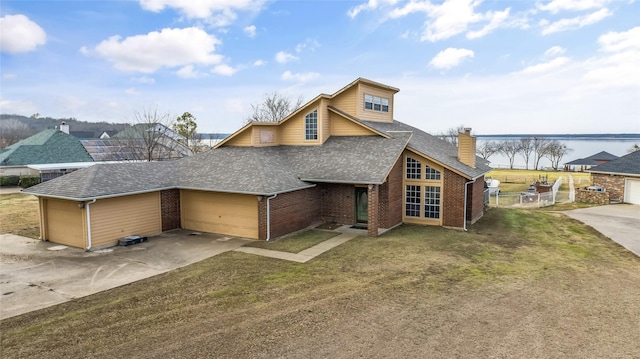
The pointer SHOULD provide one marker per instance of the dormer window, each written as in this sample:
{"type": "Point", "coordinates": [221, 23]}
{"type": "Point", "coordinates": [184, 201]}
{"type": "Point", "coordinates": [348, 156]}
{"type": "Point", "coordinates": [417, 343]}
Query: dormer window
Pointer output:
{"type": "Point", "coordinates": [375, 103]}
{"type": "Point", "coordinates": [311, 126]}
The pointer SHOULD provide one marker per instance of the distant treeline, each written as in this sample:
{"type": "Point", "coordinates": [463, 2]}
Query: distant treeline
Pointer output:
{"type": "Point", "coordinates": [587, 136]}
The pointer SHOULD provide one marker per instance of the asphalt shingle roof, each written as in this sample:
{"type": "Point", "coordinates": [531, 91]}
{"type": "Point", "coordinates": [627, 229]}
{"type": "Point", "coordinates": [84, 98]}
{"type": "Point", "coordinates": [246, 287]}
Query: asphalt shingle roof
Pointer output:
{"type": "Point", "coordinates": [627, 164]}
{"type": "Point", "coordinates": [48, 146]}
{"type": "Point", "coordinates": [593, 159]}
{"type": "Point", "coordinates": [433, 147]}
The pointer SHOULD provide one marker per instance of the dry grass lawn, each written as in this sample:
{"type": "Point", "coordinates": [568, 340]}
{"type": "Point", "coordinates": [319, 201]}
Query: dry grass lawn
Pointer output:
{"type": "Point", "coordinates": [519, 284]}
{"type": "Point", "coordinates": [19, 215]}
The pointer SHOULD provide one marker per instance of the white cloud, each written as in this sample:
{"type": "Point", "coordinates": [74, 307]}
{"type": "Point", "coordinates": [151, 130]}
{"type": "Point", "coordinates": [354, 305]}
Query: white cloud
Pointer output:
{"type": "Point", "coordinates": [546, 66]}
{"type": "Point", "coordinates": [189, 72]}
{"type": "Point", "coordinates": [250, 30]}
{"type": "Point", "coordinates": [308, 44]}
{"type": "Point", "coordinates": [284, 57]}
{"type": "Point", "coordinates": [556, 6]}
{"type": "Point", "coordinates": [17, 106]}
{"type": "Point", "coordinates": [450, 58]}
{"type": "Point", "coordinates": [453, 17]}
{"type": "Point", "coordinates": [299, 77]}
{"type": "Point", "coordinates": [224, 70]}
{"type": "Point", "coordinates": [19, 34]}
{"type": "Point", "coordinates": [554, 51]}
{"type": "Point", "coordinates": [259, 63]}
{"type": "Point", "coordinates": [145, 80]}
{"type": "Point", "coordinates": [216, 12]}
{"type": "Point", "coordinates": [575, 22]}
{"type": "Point", "coordinates": [131, 91]}
{"type": "Point", "coordinates": [618, 41]}
{"type": "Point", "coordinates": [155, 50]}
{"type": "Point", "coordinates": [368, 6]}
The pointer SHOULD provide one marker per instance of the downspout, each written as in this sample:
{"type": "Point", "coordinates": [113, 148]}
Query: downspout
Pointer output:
{"type": "Point", "coordinates": [86, 206]}
{"type": "Point", "coordinates": [466, 185]}
{"type": "Point", "coordinates": [269, 217]}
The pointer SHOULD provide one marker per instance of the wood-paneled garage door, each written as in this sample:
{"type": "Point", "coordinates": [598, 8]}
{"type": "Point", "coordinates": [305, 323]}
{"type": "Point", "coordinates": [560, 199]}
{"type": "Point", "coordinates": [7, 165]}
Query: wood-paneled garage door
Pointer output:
{"type": "Point", "coordinates": [65, 223]}
{"type": "Point", "coordinates": [225, 213]}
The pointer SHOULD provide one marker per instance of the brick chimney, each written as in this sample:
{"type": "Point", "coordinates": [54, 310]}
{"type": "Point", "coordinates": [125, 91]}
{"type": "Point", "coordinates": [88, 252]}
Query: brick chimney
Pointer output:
{"type": "Point", "coordinates": [467, 148]}
{"type": "Point", "coordinates": [64, 127]}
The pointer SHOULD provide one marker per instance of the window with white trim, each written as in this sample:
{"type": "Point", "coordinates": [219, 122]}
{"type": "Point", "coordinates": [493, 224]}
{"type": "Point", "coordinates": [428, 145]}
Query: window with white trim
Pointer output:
{"type": "Point", "coordinates": [376, 103]}
{"type": "Point", "coordinates": [432, 202]}
{"type": "Point", "coordinates": [412, 201]}
{"type": "Point", "coordinates": [311, 126]}
{"type": "Point", "coordinates": [414, 168]}
{"type": "Point", "coordinates": [431, 173]}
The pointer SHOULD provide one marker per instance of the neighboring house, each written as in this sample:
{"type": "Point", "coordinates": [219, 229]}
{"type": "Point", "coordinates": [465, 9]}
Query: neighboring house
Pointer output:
{"type": "Point", "coordinates": [583, 164]}
{"type": "Point", "coordinates": [152, 141]}
{"type": "Point", "coordinates": [208, 139]}
{"type": "Point", "coordinates": [59, 150]}
{"type": "Point", "coordinates": [619, 177]}
{"type": "Point", "coordinates": [340, 158]}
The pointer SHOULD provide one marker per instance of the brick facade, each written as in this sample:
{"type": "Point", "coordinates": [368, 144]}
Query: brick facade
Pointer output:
{"type": "Point", "coordinates": [582, 195]}
{"type": "Point", "coordinates": [453, 199]}
{"type": "Point", "coordinates": [612, 184]}
{"type": "Point", "coordinates": [338, 203]}
{"type": "Point", "coordinates": [290, 212]}
{"type": "Point", "coordinates": [373, 209]}
{"type": "Point", "coordinates": [170, 209]}
{"type": "Point", "coordinates": [475, 200]}
{"type": "Point", "coordinates": [390, 198]}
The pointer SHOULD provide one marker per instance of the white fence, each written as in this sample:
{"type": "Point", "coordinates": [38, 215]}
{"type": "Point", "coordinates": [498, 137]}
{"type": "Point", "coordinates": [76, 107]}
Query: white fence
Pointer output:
{"type": "Point", "coordinates": [531, 200]}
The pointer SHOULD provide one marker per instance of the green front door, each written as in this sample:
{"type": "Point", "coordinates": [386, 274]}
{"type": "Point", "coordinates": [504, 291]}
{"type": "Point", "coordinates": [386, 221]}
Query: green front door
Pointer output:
{"type": "Point", "coordinates": [362, 207]}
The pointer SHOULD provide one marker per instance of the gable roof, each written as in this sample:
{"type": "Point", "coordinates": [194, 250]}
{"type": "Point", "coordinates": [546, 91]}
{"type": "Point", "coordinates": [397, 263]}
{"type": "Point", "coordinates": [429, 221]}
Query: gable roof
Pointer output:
{"type": "Point", "coordinates": [434, 148]}
{"type": "Point", "coordinates": [593, 159]}
{"type": "Point", "coordinates": [48, 146]}
{"type": "Point", "coordinates": [628, 164]}
{"type": "Point", "coordinates": [250, 170]}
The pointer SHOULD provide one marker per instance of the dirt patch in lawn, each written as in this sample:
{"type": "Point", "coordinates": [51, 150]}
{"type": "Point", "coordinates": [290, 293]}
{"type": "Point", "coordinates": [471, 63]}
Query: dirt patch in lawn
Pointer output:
{"type": "Point", "coordinates": [518, 284]}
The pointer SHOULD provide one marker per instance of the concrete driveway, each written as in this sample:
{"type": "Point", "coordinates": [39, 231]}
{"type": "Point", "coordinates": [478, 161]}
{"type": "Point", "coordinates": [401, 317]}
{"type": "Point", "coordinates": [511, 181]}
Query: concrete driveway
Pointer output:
{"type": "Point", "coordinates": [36, 274]}
{"type": "Point", "coordinates": [620, 222]}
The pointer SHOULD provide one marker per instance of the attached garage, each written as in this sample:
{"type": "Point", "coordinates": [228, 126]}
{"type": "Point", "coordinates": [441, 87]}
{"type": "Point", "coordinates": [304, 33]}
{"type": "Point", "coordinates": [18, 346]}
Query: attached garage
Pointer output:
{"type": "Point", "coordinates": [225, 213]}
{"type": "Point", "coordinates": [114, 218]}
{"type": "Point", "coordinates": [63, 222]}
{"type": "Point", "coordinates": [632, 191]}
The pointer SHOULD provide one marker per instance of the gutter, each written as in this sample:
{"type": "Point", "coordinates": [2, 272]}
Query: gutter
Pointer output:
{"type": "Point", "coordinates": [466, 186]}
{"type": "Point", "coordinates": [86, 206]}
{"type": "Point", "coordinates": [269, 216]}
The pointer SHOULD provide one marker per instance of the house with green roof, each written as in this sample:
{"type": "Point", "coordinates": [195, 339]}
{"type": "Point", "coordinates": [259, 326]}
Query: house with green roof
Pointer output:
{"type": "Point", "coordinates": [340, 158]}
{"type": "Point", "coordinates": [47, 147]}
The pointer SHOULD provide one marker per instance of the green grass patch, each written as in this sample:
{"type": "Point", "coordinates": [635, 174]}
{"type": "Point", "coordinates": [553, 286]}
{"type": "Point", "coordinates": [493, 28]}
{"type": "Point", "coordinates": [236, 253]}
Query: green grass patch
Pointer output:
{"type": "Point", "coordinates": [295, 243]}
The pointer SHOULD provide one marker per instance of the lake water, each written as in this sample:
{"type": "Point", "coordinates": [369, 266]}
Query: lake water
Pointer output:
{"type": "Point", "coordinates": [581, 148]}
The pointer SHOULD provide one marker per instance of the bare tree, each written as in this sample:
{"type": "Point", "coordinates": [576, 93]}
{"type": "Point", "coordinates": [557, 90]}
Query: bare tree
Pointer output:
{"type": "Point", "coordinates": [150, 138]}
{"type": "Point", "coordinates": [540, 145]}
{"type": "Point", "coordinates": [273, 108]}
{"type": "Point", "coordinates": [555, 150]}
{"type": "Point", "coordinates": [526, 148]}
{"type": "Point", "coordinates": [451, 135]}
{"type": "Point", "coordinates": [510, 149]}
{"type": "Point", "coordinates": [12, 131]}
{"type": "Point", "coordinates": [488, 148]}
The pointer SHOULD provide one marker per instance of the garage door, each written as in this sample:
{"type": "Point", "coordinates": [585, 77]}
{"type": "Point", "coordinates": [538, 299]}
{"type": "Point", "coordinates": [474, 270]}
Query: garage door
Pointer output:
{"type": "Point", "coordinates": [632, 191]}
{"type": "Point", "coordinates": [114, 218]}
{"type": "Point", "coordinates": [65, 223]}
{"type": "Point", "coordinates": [224, 213]}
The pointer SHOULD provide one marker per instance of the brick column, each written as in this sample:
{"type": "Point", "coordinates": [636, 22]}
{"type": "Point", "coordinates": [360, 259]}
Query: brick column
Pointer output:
{"type": "Point", "coordinates": [373, 210]}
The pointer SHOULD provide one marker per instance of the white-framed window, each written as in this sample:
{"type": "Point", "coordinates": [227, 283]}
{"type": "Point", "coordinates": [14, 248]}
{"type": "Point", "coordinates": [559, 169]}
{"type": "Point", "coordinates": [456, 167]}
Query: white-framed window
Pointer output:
{"type": "Point", "coordinates": [412, 201]}
{"type": "Point", "coordinates": [431, 173]}
{"type": "Point", "coordinates": [432, 202]}
{"type": "Point", "coordinates": [414, 169]}
{"type": "Point", "coordinates": [376, 103]}
{"type": "Point", "coordinates": [311, 126]}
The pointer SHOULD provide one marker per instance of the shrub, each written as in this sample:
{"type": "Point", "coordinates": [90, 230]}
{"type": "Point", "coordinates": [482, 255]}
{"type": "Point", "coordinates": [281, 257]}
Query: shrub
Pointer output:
{"type": "Point", "coordinates": [9, 181]}
{"type": "Point", "coordinates": [28, 181]}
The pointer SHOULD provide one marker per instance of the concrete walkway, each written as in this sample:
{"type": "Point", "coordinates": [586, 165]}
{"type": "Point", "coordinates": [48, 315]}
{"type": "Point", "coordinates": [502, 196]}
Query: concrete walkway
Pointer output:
{"type": "Point", "coordinates": [307, 254]}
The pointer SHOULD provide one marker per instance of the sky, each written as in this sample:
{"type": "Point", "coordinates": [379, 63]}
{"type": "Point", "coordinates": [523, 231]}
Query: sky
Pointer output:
{"type": "Point", "coordinates": [499, 67]}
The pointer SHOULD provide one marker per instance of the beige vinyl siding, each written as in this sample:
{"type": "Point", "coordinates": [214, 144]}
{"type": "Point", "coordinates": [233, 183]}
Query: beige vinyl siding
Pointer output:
{"type": "Point", "coordinates": [340, 126]}
{"type": "Point", "coordinates": [324, 125]}
{"type": "Point", "coordinates": [371, 115]}
{"type": "Point", "coordinates": [292, 131]}
{"type": "Point", "coordinates": [263, 134]}
{"type": "Point", "coordinates": [347, 101]}
{"type": "Point", "coordinates": [225, 213]}
{"type": "Point", "coordinates": [241, 139]}
{"type": "Point", "coordinates": [114, 218]}
{"type": "Point", "coordinates": [65, 223]}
